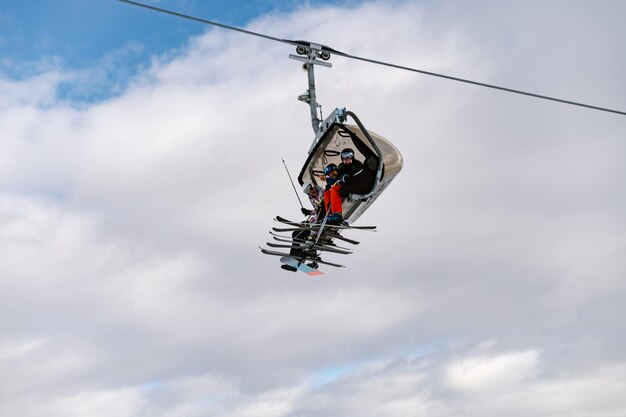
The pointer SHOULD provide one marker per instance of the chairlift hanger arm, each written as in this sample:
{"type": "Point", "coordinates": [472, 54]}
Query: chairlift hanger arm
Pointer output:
{"type": "Point", "coordinates": [327, 50]}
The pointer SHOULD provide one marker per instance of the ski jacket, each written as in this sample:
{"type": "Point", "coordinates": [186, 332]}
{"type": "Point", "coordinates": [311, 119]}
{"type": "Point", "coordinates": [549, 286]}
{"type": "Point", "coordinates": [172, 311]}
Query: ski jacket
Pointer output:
{"type": "Point", "coordinates": [316, 202]}
{"type": "Point", "coordinates": [349, 173]}
{"type": "Point", "coordinates": [330, 182]}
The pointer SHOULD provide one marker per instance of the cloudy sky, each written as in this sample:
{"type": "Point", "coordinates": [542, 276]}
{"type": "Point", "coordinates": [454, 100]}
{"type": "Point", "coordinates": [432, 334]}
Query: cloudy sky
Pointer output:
{"type": "Point", "coordinates": [140, 168]}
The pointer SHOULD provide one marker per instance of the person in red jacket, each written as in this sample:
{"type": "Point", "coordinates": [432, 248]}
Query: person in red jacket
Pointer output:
{"type": "Point", "coordinates": [348, 172]}
{"type": "Point", "coordinates": [330, 176]}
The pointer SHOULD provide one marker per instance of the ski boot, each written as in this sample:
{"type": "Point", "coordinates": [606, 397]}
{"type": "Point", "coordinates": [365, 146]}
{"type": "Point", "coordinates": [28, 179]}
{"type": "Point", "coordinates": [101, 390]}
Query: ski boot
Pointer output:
{"type": "Point", "coordinates": [334, 219]}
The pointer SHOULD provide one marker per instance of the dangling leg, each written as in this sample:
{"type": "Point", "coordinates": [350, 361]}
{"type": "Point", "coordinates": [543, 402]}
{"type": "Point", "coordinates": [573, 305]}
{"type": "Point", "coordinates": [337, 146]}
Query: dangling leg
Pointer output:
{"type": "Point", "coordinates": [336, 211]}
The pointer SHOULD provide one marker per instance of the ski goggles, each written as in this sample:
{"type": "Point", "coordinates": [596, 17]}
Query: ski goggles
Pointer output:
{"type": "Point", "coordinates": [347, 155]}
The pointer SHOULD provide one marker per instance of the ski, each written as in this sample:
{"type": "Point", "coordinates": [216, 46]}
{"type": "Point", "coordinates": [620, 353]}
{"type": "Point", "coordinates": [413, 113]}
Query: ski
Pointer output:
{"type": "Point", "coordinates": [307, 225]}
{"type": "Point", "coordinates": [331, 235]}
{"type": "Point", "coordinates": [298, 229]}
{"type": "Point", "coordinates": [313, 226]}
{"type": "Point", "coordinates": [285, 239]}
{"type": "Point", "coordinates": [309, 247]}
{"type": "Point", "coordinates": [345, 239]}
{"type": "Point", "coordinates": [289, 229]}
{"type": "Point", "coordinates": [325, 242]}
{"type": "Point", "coordinates": [275, 253]}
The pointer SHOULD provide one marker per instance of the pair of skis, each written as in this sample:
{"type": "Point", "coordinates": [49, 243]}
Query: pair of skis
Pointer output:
{"type": "Point", "coordinates": [323, 243]}
{"type": "Point", "coordinates": [332, 231]}
{"type": "Point", "coordinates": [317, 226]}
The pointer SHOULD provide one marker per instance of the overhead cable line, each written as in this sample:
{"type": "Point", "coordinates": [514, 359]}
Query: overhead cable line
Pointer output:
{"type": "Point", "coordinates": [496, 87]}
{"type": "Point", "coordinates": [373, 61]}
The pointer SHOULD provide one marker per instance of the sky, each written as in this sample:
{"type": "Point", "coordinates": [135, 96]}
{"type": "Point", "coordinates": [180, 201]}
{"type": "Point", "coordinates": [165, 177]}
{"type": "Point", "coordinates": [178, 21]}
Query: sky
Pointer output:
{"type": "Point", "coordinates": [141, 166]}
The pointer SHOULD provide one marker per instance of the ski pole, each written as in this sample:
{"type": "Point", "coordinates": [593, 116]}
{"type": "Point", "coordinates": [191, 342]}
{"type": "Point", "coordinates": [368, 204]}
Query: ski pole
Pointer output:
{"type": "Point", "coordinates": [292, 184]}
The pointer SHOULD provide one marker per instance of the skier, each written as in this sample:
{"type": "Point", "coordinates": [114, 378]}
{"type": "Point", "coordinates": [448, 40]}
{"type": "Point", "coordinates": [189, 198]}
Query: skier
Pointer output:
{"type": "Point", "coordinates": [349, 172]}
{"type": "Point", "coordinates": [314, 192]}
{"type": "Point", "coordinates": [357, 177]}
{"type": "Point", "coordinates": [332, 205]}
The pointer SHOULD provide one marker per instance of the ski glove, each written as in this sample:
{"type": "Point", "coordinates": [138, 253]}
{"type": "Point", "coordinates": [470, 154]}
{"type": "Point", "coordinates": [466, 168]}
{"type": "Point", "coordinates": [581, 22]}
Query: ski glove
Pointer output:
{"type": "Point", "coordinates": [306, 212]}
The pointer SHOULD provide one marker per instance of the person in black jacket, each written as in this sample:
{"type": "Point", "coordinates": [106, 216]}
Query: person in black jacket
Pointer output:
{"type": "Point", "coordinates": [357, 177]}
{"type": "Point", "coordinates": [350, 169]}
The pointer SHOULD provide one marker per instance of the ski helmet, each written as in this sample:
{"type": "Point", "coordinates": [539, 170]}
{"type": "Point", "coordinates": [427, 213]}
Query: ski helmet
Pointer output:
{"type": "Point", "coordinates": [308, 187]}
{"type": "Point", "coordinates": [347, 153]}
{"type": "Point", "coordinates": [329, 168]}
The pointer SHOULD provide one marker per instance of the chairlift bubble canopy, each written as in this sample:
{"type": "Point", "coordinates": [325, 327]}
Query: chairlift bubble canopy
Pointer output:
{"type": "Point", "coordinates": [382, 160]}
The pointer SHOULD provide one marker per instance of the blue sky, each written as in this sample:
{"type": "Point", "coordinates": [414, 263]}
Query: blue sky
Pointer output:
{"type": "Point", "coordinates": [141, 167]}
{"type": "Point", "coordinates": [81, 34]}
{"type": "Point", "coordinates": [83, 31]}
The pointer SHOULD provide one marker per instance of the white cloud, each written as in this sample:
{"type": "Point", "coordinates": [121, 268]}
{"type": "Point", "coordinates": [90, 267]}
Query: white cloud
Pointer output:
{"type": "Point", "coordinates": [491, 373]}
{"type": "Point", "coordinates": [15, 349]}
{"type": "Point", "coordinates": [38, 90]}
{"type": "Point", "coordinates": [131, 283]}
{"type": "Point", "coordinates": [123, 402]}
